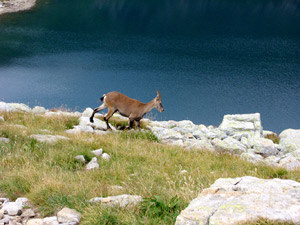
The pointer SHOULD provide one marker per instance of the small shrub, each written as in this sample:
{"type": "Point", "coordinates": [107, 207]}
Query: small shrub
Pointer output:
{"type": "Point", "coordinates": [280, 173]}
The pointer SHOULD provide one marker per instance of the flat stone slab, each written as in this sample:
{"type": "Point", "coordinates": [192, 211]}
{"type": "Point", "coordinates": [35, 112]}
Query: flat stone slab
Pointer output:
{"type": "Point", "coordinates": [237, 200]}
{"type": "Point", "coordinates": [122, 201]}
{"type": "Point", "coordinates": [48, 138]}
{"type": "Point", "coordinates": [4, 140]}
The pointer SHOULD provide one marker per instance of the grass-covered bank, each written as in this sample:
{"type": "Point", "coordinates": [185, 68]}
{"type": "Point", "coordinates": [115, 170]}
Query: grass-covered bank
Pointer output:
{"type": "Point", "coordinates": [51, 178]}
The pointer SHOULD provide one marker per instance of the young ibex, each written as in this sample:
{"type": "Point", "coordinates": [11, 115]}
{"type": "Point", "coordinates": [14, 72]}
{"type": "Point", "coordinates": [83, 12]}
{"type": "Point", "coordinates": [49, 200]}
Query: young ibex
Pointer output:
{"type": "Point", "coordinates": [128, 107]}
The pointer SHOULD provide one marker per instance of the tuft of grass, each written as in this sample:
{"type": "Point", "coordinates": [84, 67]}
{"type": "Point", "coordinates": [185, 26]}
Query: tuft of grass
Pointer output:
{"type": "Point", "coordinates": [166, 210]}
{"type": "Point", "coordinates": [144, 135]}
{"type": "Point", "coordinates": [273, 137]}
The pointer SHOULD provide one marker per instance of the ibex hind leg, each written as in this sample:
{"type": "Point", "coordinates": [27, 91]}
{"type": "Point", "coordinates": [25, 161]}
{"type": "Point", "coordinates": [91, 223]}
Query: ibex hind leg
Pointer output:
{"type": "Point", "coordinates": [107, 116]}
{"type": "Point", "coordinates": [98, 109]}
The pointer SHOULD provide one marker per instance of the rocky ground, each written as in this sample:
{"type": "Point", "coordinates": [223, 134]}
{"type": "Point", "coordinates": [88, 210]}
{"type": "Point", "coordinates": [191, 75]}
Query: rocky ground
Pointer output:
{"type": "Point", "coordinates": [8, 6]}
{"type": "Point", "coordinates": [20, 212]}
{"type": "Point", "coordinates": [227, 201]}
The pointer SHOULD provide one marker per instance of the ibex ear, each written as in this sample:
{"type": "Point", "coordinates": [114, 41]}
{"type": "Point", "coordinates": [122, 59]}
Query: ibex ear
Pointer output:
{"type": "Point", "coordinates": [158, 97]}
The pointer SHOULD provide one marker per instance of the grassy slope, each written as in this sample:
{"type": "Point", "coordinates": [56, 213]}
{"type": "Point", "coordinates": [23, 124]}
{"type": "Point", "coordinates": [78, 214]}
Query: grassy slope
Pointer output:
{"type": "Point", "coordinates": [50, 177]}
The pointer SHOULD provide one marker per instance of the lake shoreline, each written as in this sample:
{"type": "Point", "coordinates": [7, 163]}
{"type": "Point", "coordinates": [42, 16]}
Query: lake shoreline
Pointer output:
{"type": "Point", "coordinates": [16, 6]}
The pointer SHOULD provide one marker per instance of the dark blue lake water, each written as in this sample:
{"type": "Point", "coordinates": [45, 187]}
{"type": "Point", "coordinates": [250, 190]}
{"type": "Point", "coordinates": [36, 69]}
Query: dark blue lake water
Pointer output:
{"type": "Point", "coordinates": [207, 57]}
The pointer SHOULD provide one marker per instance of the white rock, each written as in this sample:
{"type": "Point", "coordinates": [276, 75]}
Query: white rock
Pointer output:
{"type": "Point", "coordinates": [168, 134]}
{"type": "Point", "coordinates": [237, 200]}
{"type": "Point", "coordinates": [203, 145]}
{"type": "Point", "coordinates": [2, 118]}
{"type": "Point", "coordinates": [6, 108]}
{"type": "Point", "coordinates": [105, 156]}
{"type": "Point", "coordinates": [230, 145]}
{"type": "Point", "coordinates": [245, 142]}
{"type": "Point", "coordinates": [67, 215]}
{"type": "Point", "coordinates": [98, 152]}
{"type": "Point", "coordinates": [199, 134]}
{"type": "Point", "coordinates": [20, 107]}
{"type": "Point", "coordinates": [272, 160]}
{"type": "Point", "coordinates": [254, 158]}
{"type": "Point", "coordinates": [50, 220]}
{"type": "Point", "coordinates": [87, 112]}
{"type": "Point", "coordinates": [28, 213]}
{"type": "Point", "coordinates": [4, 140]}
{"type": "Point", "coordinates": [291, 161]}
{"type": "Point", "coordinates": [264, 147]}
{"type": "Point", "coordinates": [12, 208]}
{"type": "Point", "coordinates": [242, 123]}
{"type": "Point", "coordinates": [39, 110]}
{"type": "Point", "coordinates": [84, 122]}
{"type": "Point", "coordinates": [73, 131]}
{"type": "Point", "coordinates": [183, 172]}
{"type": "Point", "coordinates": [290, 140]}
{"type": "Point", "coordinates": [93, 164]}
{"type": "Point", "coordinates": [178, 142]}
{"type": "Point", "coordinates": [122, 201]}
{"type": "Point", "coordinates": [51, 139]}
{"type": "Point", "coordinates": [4, 200]}
{"type": "Point", "coordinates": [35, 222]}
{"type": "Point", "coordinates": [80, 158]}
{"type": "Point", "coordinates": [22, 201]}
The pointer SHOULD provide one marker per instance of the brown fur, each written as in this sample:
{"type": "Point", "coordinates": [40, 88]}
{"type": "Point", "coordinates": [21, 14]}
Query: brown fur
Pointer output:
{"type": "Point", "coordinates": [128, 107]}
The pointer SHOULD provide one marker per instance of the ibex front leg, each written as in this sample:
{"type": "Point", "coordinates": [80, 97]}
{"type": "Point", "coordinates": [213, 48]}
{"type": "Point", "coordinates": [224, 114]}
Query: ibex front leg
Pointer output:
{"type": "Point", "coordinates": [101, 107]}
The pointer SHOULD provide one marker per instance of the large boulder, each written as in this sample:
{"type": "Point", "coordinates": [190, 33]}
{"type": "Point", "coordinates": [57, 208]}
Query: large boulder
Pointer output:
{"type": "Point", "coordinates": [290, 140]}
{"type": "Point", "coordinates": [264, 147]}
{"type": "Point", "coordinates": [242, 124]}
{"type": "Point", "coordinates": [38, 110]}
{"type": "Point", "coordinates": [229, 145]}
{"type": "Point", "coordinates": [237, 200]}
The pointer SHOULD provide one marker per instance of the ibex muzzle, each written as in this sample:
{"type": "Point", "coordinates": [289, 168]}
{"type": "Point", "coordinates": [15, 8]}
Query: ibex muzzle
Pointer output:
{"type": "Point", "coordinates": [128, 107]}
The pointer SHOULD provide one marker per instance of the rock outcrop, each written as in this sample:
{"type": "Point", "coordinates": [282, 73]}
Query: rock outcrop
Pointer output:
{"type": "Point", "coordinates": [237, 200]}
{"type": "Point", "coordinates": [238, 134]}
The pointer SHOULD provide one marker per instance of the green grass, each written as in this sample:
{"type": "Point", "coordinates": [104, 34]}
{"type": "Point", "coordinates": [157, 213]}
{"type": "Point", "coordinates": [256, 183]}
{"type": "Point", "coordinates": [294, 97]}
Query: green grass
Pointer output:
{"type": "Point", "coordinates": [50, 177]}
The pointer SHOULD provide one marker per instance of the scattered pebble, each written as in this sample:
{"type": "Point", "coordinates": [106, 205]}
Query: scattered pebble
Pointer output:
{"type": "Point", "coordinates": [98, 152]}
{"type": "Point", "coordinates": [105, 156]}
{"type": "Point", "coordinates": [80, 158]}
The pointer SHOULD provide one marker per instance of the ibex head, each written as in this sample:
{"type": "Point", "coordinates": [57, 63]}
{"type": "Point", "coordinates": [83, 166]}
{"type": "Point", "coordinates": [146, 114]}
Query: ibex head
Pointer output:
{"type": "Point", "coordinates": [157, 102]}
